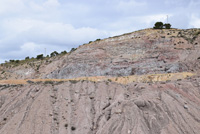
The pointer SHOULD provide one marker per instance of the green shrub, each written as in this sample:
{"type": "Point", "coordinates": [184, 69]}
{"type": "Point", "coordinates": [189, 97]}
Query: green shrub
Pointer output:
{"type": "Point", "coordinates": [64, 52]}
{"type": "Point", "coordinates": [74, 81]}
{"type": "Point", "coordinates": [12, 60]}
{"type": "Point", "coordinates": [40, 56]}
{"type": "Point", "coordinates": [2, 72]}
{"type": "Point", "coordinates": [73, 128]}
{"type": "Point", "coordinates": [73, 49]}
{"type": "Point", "coordinates": [27, 58]}
{"type": "Point", "coordinates": [98, 39]}
{"type": "Point", "coordinates": [17, 61]}
{"type": "Point", "coordinates": [54, 54]}
{"type": "Point", "coordinates": [49, 82]}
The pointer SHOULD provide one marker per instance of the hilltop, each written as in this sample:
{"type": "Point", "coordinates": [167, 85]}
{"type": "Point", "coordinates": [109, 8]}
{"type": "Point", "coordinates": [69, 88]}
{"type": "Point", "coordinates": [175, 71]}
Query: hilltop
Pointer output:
{"type": "Point", "coordinates": [143, 82]}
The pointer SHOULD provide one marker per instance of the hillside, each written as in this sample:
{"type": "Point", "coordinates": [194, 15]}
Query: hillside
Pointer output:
{"type": "Point", "coordinates": [147, 51]}
{"type": "Point", "coordinates": [144, 82]}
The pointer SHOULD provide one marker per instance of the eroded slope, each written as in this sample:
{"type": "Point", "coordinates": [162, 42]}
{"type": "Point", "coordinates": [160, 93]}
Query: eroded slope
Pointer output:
{"type": "Point", "coordinates": [86, 107]}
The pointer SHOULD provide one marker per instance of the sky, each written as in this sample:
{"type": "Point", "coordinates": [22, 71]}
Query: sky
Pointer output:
{"type": "Point", "coordinates": [29, 27]}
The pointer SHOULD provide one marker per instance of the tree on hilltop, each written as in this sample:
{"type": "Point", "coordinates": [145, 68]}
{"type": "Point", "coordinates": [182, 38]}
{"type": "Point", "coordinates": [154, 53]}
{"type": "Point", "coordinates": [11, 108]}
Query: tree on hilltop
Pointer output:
{"type": "Point", "coordinates": [167, 26]}
{"type": "Point", "coordinates": [158, 25]}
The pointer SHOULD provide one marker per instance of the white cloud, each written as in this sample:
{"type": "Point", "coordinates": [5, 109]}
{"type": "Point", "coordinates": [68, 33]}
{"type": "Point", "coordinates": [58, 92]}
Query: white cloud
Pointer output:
{"type": "Point", "coordinates": [129, 6]}
{"type": "Point", "coordinates": [155, 18]}
{"type": "Point", "coordinates": [48, 5]}
{"type": "Point", "coordinates": [173, 2]}
{"type": "Point", "coordinates": [32, 49]}
{"type": "Point", "coordinates": [7, 6]}
{"type": "Point", "coordinates": [36, 7]}
{"type": "Point", "coordinates": [29, 47]}
{"type": "Point", "coordinates": [195, 21]}
{"type": "Point", "coordinates": [30, 37]}
{"type": "Point", "coordinates": [129, 24]}
{"type": "Point", "coordinates": [52, 3]}
{"type": "Point", "coordinates": [18, 25]}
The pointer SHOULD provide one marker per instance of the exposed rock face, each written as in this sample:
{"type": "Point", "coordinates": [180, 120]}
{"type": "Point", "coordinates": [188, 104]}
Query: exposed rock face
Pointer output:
{"type": "Point", "coordinates": [84, 107]}
{"type": "Point", "coordinates": [147, 51]}
{"type": "Point", "coordinates": [145, 82]}
{"type": "Point", "coordinates": [143, 52]}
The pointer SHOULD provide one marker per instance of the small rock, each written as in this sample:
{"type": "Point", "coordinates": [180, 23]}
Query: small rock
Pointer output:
{"type": "Point", "coordinates": [140, 103]}
{"type": "Point", "coordinates": [185, 106]}
{"type": "Point", "coordinates": [118, 111]}
{"type": "Point", "coordinates": [142, 87]}
{"type": "Point", "coordinates": [177, 95]}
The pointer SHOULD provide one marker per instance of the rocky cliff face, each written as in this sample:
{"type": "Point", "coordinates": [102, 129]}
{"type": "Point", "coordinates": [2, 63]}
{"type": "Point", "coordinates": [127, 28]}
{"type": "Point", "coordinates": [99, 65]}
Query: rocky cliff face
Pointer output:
{"type": "Point", "coordinates": [145, 82]}
{"type": "Point", "coordinates": [143, 52]}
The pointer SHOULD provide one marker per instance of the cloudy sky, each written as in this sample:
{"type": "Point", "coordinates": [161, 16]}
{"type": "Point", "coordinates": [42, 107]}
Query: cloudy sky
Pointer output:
{"type": "Point", "coordinates": [27, 27]}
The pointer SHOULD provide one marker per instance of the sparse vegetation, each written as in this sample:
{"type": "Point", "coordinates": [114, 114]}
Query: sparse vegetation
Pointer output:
{"type": "Point", "coordinates": [97, 39]}
{"type": "Point", "coordinates": [29, 61]}
{"type": "Point", "coordinates": [189, 35]}
{"type": "Point", "coordinates": [30, 82]}
{"type": "Point", "coordinates": [197, 33]}
{"type": "Point", "coordinates": [73, 81]}
{"type": "Point", "coordinates": [63, 52]}
{"type": "Point", "coordinates": [73, 128]}
{"type": "Point", "coordinates": [66, 125]}
{"type": "Point", "coordinates": [49, 82]}
{"type": "Point", "coordinates": [5, 119]}
{"type": "Point", "coordinates": [2, 72]}
{"type": "Point", "coordinates": [12, 60]}
{"type": "Point", "coordinates": [54, 54]}
{"type": "Point", "coordinates": [72, 50]}
{"type": "Point", "coordinates": [27, 58]}
{"type": "Point", "coordinates": [38, 67]}
{"type": "Point", "coordinates": [109, 80]}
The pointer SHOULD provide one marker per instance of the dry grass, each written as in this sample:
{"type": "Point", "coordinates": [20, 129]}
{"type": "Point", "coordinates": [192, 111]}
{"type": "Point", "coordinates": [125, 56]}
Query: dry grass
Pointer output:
{"type": "Point", "coordinates": [122, 80]}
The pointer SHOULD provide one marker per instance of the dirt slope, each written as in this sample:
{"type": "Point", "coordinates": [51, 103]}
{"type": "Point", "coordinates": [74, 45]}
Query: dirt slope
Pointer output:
{"type": "Point", "coordinates": [86, 107]}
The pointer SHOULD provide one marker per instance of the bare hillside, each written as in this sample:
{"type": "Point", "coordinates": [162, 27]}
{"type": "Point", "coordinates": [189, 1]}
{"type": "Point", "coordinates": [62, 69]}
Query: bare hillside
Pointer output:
{"type": "Point", "coordinates": [147, 51]}
{"type": "Point", "coordinates": [87, 107]}
{"type": "Point", "coordinates": [144, 82]}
